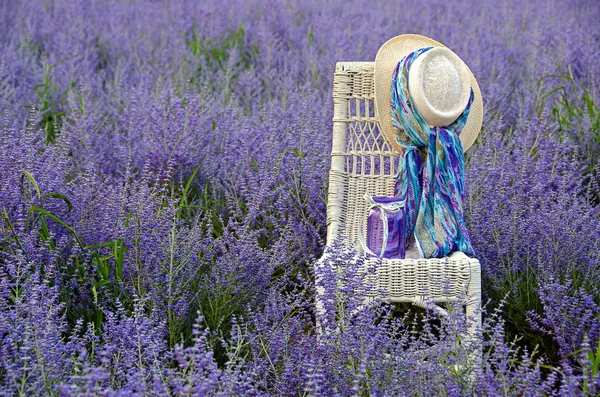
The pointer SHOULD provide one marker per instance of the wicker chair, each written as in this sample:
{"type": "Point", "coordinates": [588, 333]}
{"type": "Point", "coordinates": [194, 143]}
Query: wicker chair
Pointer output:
{"type": "Point", "coordinates": [362, 161]}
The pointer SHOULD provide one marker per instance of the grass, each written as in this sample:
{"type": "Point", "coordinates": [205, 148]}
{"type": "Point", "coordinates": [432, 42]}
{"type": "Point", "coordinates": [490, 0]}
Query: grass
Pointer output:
{"type": "Point", "coordinates": [576, 112]}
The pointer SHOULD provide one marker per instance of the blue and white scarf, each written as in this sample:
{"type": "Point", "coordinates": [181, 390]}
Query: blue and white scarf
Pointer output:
{"type": "Point", "coordinates": [431, 172]}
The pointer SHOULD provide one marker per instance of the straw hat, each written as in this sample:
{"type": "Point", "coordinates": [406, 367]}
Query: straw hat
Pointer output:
{"type": "Point", "coordinates": [439, 83]}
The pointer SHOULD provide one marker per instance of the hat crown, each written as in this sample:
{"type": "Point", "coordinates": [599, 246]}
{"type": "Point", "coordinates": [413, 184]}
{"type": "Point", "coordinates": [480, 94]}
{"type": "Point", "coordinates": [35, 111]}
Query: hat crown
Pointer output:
{"type": "Point", "coordinates": [439, 84]}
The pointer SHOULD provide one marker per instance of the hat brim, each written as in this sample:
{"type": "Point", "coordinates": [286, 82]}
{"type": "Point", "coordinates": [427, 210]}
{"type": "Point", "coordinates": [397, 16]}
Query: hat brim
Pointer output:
{"type": "Point", "coordinates": [388, 56]}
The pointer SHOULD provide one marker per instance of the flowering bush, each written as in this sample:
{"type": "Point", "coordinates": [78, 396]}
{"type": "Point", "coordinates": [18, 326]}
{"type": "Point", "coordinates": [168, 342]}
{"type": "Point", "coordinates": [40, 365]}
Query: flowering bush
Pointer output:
{"type": "Point", "coordinates": [163, 173]}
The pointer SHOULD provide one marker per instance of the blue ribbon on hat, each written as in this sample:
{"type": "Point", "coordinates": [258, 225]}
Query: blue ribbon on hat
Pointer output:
{"type": "Point", "coordinates": [431, 171]}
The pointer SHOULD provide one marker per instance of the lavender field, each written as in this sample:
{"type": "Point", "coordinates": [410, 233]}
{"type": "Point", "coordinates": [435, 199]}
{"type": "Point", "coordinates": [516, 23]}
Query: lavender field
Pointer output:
{"type": "Point", "coordinates": [163, 187]}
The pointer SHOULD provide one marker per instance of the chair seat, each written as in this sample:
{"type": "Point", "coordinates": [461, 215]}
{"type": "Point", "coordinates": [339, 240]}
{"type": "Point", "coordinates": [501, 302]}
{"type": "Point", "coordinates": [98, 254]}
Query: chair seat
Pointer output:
{"type": "Point", "coordinates": [401, 280]}
{"type": "Point", "coordinates": [441, 280]}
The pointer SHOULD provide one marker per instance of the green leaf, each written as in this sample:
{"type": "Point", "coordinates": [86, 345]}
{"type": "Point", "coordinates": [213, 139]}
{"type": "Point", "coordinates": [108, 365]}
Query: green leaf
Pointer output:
{"type": "Point", "coordinates": [33, 182]}
{"type": "Point", "coordinates": [102, 265]}
{"type": "Point", "coordinates": [62, 197]}
{"type": "Point", "coordinates": [299, 153]}
{"type": "Point", "coordinates": [189, 182]}
{"type": "Point", "coordinates": [101, 283]}
{"type": "Point", "coordinates": [595, 361]}
{"type": "Point", "coordinates": [34, 208]}
{"type": "Point", "coordinates": [44, 232]}
{"type": "Point", "coordinates": [119, 254]}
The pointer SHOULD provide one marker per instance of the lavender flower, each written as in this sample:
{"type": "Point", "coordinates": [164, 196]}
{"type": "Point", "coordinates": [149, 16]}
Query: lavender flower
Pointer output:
{"type": "Point", "coordinates": [164, 159]}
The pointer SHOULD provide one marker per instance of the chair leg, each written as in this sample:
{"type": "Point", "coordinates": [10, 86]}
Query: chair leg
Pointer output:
{"type": "Point", "coordinates": [319, 312]}
{"type": "Point", "coordinates": [473, 314]}
{"type": "Point", "coordinates": [319, 307]}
